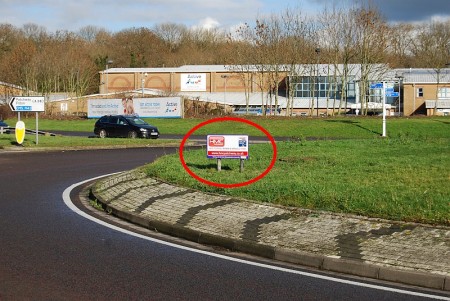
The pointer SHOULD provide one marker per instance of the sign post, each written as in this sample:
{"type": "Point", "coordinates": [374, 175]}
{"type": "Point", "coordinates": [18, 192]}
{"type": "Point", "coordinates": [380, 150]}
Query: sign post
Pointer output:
{"type": "Point", "coordinates": [387, 89]}
{"type": "Point", "coordinates": [27, 104]}
{"type": "Point", "coordinates": [227, 147]}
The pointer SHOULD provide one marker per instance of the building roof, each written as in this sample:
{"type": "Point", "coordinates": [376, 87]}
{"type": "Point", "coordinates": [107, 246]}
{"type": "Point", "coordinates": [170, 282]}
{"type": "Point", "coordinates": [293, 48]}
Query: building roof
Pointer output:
{"type": "Point", "coordinates": [181, 69]}
{"type": "Point", "coordinates": [11, 85]}
{"type": "Point", "coordinates": [424, 76]}
{"type": "Point", "coordinates": [376, 71]}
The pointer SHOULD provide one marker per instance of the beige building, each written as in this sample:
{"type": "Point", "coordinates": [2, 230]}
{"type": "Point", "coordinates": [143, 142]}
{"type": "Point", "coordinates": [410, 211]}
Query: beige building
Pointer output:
{"type": "Point", "coordinates": [421, 91]}
{"type": "Point", "coordinates": [315, 90]}
{"type": "Point", "coordinates": [425, 92]}
{"type": "Point", "coordinates": [202, 78]}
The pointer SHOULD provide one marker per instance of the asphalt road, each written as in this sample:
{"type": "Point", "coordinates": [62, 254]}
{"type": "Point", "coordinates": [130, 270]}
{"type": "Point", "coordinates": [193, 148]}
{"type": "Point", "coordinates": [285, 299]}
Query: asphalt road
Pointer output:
{"type": "Point", "coordinates": [162, 136]}
{"type": "Point", "coordinates": [48, 252]}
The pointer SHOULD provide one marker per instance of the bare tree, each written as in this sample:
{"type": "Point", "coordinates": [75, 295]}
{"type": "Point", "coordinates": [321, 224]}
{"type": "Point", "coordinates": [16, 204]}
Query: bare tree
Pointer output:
{"type": "Point", "coordinates": [275, 56]}
{"type": "Point", "coordinates": [372, 40]}
{"type": "Point", "coordinates": [261, 54]}
{"type": "Point", "coordinates": [299, 32]}
{"type": "Point", "coordinates": [401, 40]}
{"type": "Point", "coordinates": [432, 49]}
{"type": "Point", "coordinates": [241, 58]}
{"type": "Point", "coordinates": [10, 38]}
{"type": "Point", "coordinates": [171, 33]}
{"type": "Point", "coordinates": [339, 28]}
{"type": "Point", "coordinates": [19, 69]}
{"type": "Point", "coordinates": [37, 34]}
{"type": "Point", "coordinates": [136, 47]}
{"type": "Point", "coordinates": [90, 33]}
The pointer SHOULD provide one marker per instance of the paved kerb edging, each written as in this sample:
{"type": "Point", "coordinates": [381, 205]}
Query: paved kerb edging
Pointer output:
{"type": "Point", "coordinates": [319, 261]}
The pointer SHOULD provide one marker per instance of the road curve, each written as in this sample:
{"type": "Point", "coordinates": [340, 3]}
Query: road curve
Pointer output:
{"type": "Point", "coordinates": [48, 252]}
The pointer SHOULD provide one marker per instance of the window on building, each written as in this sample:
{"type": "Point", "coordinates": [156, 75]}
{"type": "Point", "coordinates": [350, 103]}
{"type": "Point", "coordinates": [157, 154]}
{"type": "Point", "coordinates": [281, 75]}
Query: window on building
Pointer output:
{"type": "Point", "coordinates": [419, 92]}
{"type": "Point", "coordinates": [444, 93]}
{"type": "Point", "coordinates": [351, 89]}
{"type": "Point", "coordinates": [307, 86]}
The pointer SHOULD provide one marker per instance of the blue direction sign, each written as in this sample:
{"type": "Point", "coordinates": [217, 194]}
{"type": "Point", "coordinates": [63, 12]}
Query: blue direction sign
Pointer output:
{"type": "Point", "coordinates": [27, 104]}
{"type": "Point", "coordinates": [376, 86]}
{"type": "Point", "coordinates": [392, 94]}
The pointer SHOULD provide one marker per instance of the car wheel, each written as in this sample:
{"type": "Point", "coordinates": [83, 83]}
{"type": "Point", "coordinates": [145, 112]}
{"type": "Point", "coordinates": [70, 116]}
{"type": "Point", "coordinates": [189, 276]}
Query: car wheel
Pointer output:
{"type": "Point", "coordinates": [102, 134]}
{"type": "Point", "coordinates": [132, 135]}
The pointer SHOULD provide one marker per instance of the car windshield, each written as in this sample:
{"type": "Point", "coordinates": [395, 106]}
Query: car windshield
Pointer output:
{"type": "Point", "coordinates": [136, 120]}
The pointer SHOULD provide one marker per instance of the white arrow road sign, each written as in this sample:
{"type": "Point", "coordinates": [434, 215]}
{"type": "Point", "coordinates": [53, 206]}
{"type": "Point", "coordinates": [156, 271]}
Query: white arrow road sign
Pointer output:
{"type": "Point", "coordinates": [27, 104]}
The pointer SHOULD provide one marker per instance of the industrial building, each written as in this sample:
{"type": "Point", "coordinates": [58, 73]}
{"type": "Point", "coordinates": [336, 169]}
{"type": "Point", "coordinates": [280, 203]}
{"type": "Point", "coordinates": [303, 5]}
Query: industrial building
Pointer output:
{"type": "Point", "coordinates": [303, 89]}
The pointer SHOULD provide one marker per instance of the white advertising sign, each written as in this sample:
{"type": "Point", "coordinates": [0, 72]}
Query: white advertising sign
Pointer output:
{"type": "Point", "coordinates": [160, 107]}
{"type": "Point", "coordinates": [227, 146]}
{"type": "Point", "coordinates": [195, 82]}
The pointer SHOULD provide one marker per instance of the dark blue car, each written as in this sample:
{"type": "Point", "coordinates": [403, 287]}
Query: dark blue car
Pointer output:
{"type": "Point", "coordinates": [124, 126]}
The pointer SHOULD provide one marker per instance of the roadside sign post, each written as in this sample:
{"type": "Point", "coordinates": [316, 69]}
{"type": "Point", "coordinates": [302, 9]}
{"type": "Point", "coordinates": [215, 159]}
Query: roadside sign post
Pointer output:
{"type": "Point", "coordinates": [227, 147]}
{"type": "Point", "coordinates": [28, 104]}
{"type": "Point", "coordinates": [387, 90]}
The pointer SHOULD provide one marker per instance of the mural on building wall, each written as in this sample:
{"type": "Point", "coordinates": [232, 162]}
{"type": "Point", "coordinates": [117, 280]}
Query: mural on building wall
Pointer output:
{"type": "Point", "coordinates": [158, 82]}
{"type": "Point", "coordinates": [120, 83]}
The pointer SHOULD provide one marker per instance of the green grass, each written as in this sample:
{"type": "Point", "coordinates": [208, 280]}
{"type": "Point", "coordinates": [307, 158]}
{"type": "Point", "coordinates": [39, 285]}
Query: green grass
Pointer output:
{"type": "Point", "coordinates": [399, 179]}
{"type": "Point", "coordinates": [351, 169]}
{"type": "Point", "coordinates": [339, 127]}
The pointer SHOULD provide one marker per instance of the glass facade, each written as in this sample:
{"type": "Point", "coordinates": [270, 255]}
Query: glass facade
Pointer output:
{"type": "Point", "coordinates": [309, 86]}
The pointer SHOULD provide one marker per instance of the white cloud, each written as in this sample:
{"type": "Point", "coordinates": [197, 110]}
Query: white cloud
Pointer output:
{"type": "Point", "coordinates": [208, 23]}
{"type": "Point", "coordinates": [115, 15]}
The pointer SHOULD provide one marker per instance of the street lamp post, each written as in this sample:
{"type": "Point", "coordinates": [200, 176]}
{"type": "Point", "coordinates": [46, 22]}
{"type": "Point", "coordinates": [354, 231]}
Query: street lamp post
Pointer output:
{"type": "Point", "coordinates": [108, 62]}
{"type": "Point", "coordinates": [225, 90]}
{"type": "Point", "coordinates": [317, 81]}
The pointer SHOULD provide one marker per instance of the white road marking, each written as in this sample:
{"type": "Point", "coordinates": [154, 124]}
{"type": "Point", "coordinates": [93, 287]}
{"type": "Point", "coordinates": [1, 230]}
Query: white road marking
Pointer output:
{"type": "Point", "coordinates": [68, 202]}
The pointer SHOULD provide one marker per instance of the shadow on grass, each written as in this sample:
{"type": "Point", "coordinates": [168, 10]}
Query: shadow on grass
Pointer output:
{"type": "Point", "coordinates": [207, 166]}
{"type": "Point", "coordinates": [442, 121]}
{"type": "Point", "coordinates": [355, 123]}
{"type": "Point", "coordinates": [14, 143]}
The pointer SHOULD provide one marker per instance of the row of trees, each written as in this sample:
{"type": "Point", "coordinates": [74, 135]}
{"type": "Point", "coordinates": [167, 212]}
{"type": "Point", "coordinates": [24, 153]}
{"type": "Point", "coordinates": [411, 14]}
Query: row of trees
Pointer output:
{"type": "Point", "coordinates": [69, 62]}
{"type": "Point", "coordinates": [341, 39]}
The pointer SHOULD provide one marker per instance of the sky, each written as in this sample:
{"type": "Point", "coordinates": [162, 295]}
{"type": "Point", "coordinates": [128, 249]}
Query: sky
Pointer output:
{"type": "Point", "coordinates": [115, 16]}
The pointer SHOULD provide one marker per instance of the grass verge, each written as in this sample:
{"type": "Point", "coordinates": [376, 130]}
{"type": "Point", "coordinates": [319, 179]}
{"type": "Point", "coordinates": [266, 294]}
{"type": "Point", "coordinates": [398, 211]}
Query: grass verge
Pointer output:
{"type": "Point", "coordinates": [339, 127]}
{"type": "Point", "coordinates": [398, 179]}
{"type": "Point", "coordinates": [402, 177]}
